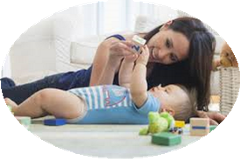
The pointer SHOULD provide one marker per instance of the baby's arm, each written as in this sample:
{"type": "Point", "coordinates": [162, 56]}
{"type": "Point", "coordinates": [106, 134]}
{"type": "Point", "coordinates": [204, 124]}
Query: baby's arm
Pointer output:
{"type": "Point", "coordinates": [126, 70]}
{"type": "Point", "coordinates": [138, 86]}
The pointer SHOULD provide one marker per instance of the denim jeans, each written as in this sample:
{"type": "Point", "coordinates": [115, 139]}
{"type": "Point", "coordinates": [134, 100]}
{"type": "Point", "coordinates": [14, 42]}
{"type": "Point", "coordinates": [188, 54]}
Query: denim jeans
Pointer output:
{"type": "Point", "coordinates": [22, 92]}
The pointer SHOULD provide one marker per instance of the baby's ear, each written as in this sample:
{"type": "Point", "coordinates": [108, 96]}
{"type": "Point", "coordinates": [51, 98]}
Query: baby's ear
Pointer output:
{"type": "Point", "coordinates": [169, 110]}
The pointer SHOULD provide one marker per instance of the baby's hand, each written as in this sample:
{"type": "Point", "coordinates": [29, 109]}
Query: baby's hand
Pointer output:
{"type": "Point", "coordinates": [131, 58]}
{"type": "Point", "coordinates": [144, 56]}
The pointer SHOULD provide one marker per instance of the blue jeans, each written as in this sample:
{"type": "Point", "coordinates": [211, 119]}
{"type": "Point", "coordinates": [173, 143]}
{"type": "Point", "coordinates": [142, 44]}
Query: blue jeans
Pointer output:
{"type": "Point", "coordinates": [63, 81]}
{"type": "Point", "coordinates": [19, 93]}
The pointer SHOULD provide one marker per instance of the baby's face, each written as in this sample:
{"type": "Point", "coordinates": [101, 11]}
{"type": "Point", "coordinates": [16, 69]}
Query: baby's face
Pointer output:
{"type": "Point", "coordinates": [170, 95]}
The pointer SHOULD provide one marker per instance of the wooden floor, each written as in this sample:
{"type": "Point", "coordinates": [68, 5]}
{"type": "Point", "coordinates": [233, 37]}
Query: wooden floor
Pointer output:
{"type": "Point", "coordinates": [118, 141]}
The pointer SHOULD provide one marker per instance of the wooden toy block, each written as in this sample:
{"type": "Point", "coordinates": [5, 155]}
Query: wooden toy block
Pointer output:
{"type": "Point", "coordinates": [199, 126]}
{"type": "Point", "coordinates": [24, 121]}
{"type": "Point", "coordinates": [179, 124]}
{"type": "Point", "coordinates": [166, 139]}
{"type": "Point", "coordinates": [139, 42]}
{"type": "Point", "coordinates": [10, 109]}
{"type": "Point", "coordinates": [54, 122]}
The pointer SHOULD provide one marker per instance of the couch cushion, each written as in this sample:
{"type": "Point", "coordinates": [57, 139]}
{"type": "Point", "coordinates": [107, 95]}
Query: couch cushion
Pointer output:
{"type": "Point", "coordinates": [82, 53]}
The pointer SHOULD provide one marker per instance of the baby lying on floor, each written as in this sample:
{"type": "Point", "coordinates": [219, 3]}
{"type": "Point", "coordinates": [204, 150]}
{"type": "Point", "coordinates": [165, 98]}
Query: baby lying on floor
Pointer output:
{"type": "Point", "coordinates": [128, 103]}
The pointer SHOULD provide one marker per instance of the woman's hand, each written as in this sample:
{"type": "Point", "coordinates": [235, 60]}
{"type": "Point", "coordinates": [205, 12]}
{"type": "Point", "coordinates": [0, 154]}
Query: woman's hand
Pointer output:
{"type": "Point", "coordinates": [214, 117]}
{"type": "Point", "coordinates": [118, 51]}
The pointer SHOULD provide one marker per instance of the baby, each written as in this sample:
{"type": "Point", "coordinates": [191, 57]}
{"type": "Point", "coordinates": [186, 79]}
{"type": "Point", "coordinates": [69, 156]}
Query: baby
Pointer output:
{"type": "Point", "coordinates": [128, 103]}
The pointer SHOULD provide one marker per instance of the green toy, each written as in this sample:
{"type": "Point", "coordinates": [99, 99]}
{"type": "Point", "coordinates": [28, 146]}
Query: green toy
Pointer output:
{"type": "Point", "coordinates": [166, 139]}
{"type": "Point", "coordinates": [10, 108]}
{"type": "Point", "coordinates": [170, 119]}
{"type": "Point", "coordinates": [158, 123]}
{"type": "Point", "coordinates": [212, 127]}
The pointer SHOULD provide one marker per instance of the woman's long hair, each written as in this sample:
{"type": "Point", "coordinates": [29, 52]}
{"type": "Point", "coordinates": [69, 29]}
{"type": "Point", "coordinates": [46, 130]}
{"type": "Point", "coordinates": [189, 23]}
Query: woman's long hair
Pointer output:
{"type": "Point", "coordinates": [199, 61]}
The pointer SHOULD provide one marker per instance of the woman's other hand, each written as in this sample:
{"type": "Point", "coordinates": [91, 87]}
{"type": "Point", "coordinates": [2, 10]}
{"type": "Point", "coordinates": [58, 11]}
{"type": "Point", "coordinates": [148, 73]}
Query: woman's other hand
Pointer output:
{"type": "Point", "coordinates": [214, 117]}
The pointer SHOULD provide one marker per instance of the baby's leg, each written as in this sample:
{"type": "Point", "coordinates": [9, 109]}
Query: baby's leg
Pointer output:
{"type": "Point", "coordinates": [58, 103]}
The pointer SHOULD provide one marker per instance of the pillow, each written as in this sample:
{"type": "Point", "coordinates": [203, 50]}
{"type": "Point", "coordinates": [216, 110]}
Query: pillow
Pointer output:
{"type": "Point", "coordinates": [81, 53]}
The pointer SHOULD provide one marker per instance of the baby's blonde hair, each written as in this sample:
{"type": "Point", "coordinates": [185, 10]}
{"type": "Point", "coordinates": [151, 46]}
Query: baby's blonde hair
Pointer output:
{"type": "Point", "coordinates": [187, 109]}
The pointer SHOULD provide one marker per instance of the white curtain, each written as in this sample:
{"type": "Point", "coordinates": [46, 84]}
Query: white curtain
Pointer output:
{"type": "Point", "coordinates": [6, 70]}
{"type": "Point", "coordinates": [121, 15]}
{"type": "Point", "coordinates": [53, 36]}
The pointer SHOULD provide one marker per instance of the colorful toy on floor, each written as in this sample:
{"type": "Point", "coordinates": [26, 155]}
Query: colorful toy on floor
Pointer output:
{"type": "Point", "coordinates": [212, 127]}
{"type": "Point", "coordinates": [54, 122]}
{"type": "Point", "coordinates": [10, 109]}
{"type": "Point", "coordinates": [199, 126]}
{"type": "Point", "coordinates": [158, 123]}
{"type": "Point", "coordinates": [24, 121]}
{"type": "Point", "coordinates": [166, 139]}
{"type": "Point", "coordinates": [139, 42]}
{"type": "Point", "coordinates": [178, 128]}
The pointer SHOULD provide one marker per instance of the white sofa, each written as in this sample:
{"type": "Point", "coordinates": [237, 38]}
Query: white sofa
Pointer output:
{"type": "Point", "coordinates": [54, 53]}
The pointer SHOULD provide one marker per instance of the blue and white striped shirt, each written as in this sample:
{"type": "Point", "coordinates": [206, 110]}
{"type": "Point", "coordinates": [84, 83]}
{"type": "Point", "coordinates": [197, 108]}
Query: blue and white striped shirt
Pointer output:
{"type": "Point", "coordinates": [113, 104]}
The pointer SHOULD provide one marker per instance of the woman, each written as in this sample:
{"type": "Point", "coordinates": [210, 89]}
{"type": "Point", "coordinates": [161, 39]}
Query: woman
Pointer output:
{"type": "Point", "coordinates": [181, 52]}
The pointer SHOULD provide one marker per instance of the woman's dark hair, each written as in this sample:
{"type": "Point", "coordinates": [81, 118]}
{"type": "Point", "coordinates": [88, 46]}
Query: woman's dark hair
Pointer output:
{"type": "Point", "coordinates": [199, 62]}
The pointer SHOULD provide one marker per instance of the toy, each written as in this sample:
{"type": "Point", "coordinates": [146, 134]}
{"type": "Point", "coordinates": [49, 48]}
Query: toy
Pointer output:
{"type": "Point", "coordinates": [139, 42]}
{"type": "Point", "coordinates": [227, 58]}
{"type": "Point", "coordinates": [10, 109]}
{"type": "Point", "coordinates": [179, 124]}
{"type": "Point", "coordinates": [167, 139]}
{"type": "Point", "coordinates": [199, 126]}
{"type": "Point", "coordinates": [212, 127]}
{"type": "Point", "coordinates": [177, 129]}
{"type": "Point", "coordinates": [54, 122]}
{"type": "Point", "coordinates": [158, 123]}
{"type": "Point", "coordinates": [24, 121]}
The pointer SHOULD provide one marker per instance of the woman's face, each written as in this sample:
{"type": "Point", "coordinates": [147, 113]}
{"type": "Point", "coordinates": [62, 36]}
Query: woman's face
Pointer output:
{"type": "Point", "coordinates": [168, 46]}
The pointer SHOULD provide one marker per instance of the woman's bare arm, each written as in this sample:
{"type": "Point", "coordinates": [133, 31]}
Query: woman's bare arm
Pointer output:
{"type": "Point", "coordinates": [126, 70]}
{"type": "Point", "coordinates": [108, 59]}
{"type": "Point", "coordinates": [100, 66]}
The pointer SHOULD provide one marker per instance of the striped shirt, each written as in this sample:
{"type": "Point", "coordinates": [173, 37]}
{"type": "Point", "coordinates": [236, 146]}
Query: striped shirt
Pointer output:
{"type": "Point", "coordinates": [113, 104]}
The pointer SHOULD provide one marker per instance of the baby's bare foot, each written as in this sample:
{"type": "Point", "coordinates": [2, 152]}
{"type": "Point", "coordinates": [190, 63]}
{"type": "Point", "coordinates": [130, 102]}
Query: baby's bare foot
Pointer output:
{"type": "Point", "coordinates": [11, 103]}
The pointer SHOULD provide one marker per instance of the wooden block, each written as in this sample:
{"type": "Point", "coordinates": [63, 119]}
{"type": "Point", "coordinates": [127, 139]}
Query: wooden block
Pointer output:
{"type": "Point", "coordinates": [166, 139]}
{"type": "Point", "coordinates": [54, 122]}
{"type": "Point", "coordinates": [24, 121]}
{"type": "Point", "coordinates": [139, 42]}
{"type": "Point", "coordinates": [199, 126]}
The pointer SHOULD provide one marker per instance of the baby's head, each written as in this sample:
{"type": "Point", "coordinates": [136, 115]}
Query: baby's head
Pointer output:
{"type": "Point", "coordinates": [176, 100]}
